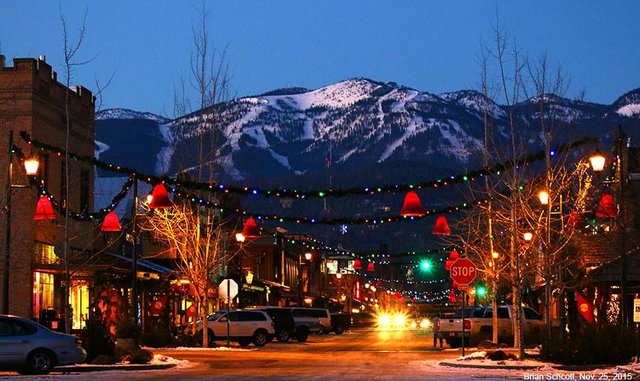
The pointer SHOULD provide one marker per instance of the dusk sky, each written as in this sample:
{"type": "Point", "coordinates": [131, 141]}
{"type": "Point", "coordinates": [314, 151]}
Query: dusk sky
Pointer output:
{"type": "Point", "coordinates": [431, 46]}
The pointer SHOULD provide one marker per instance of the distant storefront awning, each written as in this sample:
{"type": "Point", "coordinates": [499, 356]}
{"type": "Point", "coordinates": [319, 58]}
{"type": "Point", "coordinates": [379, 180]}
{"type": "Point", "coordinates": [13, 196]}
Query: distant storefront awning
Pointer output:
{"type": "Point", "coordinates": [144, 264]}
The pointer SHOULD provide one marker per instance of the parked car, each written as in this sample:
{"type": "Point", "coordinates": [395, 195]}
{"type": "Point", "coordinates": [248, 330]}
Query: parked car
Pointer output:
{"type": "Point", "coordinates": [340, 322]}
{"type": "Point", "coordinates": [245, 326]}
{"type": "Point", "coordinates": [478, 325]}
{"type": "Point", "coordinates": [363, 319]}
{"type": "Point", "coordinates": [285, 324]}
{"type": "Point", "coordinates": [31, 348]}
{"type": "Point", "coordinates": [318, 319]}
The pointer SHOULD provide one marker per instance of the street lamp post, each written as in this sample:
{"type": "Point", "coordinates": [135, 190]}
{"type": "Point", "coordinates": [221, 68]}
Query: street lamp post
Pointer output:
{"type": "Point", "coordinates": [308, 257]}
{"type": "Point", "coordinates": [31, 169]}
{"type": "Point", "coordinates": [544, 201]}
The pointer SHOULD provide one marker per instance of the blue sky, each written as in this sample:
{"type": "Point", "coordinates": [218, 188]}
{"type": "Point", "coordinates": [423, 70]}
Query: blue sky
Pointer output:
{"type": "Point", "coordinates": [427, 45]}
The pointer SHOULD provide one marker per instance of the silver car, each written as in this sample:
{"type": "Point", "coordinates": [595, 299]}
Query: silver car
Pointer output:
{"type": "Point", "coordinates": [30, 348]}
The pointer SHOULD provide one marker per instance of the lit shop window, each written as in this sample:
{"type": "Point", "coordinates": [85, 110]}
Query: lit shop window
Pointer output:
{"type": "Point", "coordinates": [42, 292]}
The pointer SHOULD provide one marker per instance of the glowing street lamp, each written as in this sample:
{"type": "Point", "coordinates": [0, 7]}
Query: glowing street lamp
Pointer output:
{"type": "Point", "coordinates": [597, 161]}
{"type": "Point", "coordinates": [543, 195]}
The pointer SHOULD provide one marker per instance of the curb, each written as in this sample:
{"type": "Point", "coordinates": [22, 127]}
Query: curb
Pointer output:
{"type": "Point", "coordinates": [97, 368]}
{"type": "Point", "coordinates": [491, 366]}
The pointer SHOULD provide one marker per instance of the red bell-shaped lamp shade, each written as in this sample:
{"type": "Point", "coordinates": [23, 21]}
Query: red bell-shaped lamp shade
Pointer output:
{"type": "Point", "coordinates": [447, 264]}
{"type": "Point", "coordinates": [454, 255]}
{"type": "Point", "coordinates": [160, 198]}
{"type": "Point", "coordinates": [452, 296]}
{"type": "Point", "coordinates": [441, 227]}
{"type": "Point", "coordinates": [573, 220]}
{"type": "Point", "coordinates": [357, 265]}
{"type": "Point", "coordinates": [607, 207]}
{"type": "Point", "coordinates": [412, 207]}
{"type": "Point", "coordinates": [111, 223]}
{"type": "Point", "coordinates": [250, 228]}
{"type": "Point", "coordinates": [44, 209]}
{"type": "Point", "coordinates": [370, 267]}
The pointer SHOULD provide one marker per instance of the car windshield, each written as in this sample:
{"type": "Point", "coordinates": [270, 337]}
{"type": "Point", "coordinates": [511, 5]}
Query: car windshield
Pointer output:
{"type": "Point", "coordinates": [468, 312]}
{"type": "Point", "coordinates": [216, 315]}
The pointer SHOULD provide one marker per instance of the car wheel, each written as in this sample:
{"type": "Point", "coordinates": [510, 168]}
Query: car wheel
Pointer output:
{"type": "Point", "coordinates": [39, 362]}
{"type": "Point", "coordinates": [282, 335]}
{"type": "Point", "coordinates": [454, 343]}
{"type": "Point", "coordinates": [339, 330]}
{"type": "Point", "coordinates": [302, 334]}
{"type": "Point", "coordinates": [260, 338]}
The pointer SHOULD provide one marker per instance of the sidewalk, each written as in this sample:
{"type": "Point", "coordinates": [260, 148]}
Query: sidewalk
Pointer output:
{"type": "Point", "coordinates": [97, 368]}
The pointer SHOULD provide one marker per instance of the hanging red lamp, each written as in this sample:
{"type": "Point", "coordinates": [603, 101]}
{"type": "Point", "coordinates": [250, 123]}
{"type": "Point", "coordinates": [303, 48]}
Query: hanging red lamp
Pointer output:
{"type": "Point", "coordinates": [250, 228]}
{"type": "Point", "coordinates": [441, 227]}
{"type": "Point", "coordinates": [412, 207]}
{"type": "Point", "coordinates": [357, 265]}
{"type": "Point", "coordinates": [44, 209]}
{"type": "Point", "coordinates": [452, 296]}
{"type": "Point", "coordinates": [607, 207]}
{"type": "Point", "coordinates": [160, 198]}
{"type": "Point", "coordinates": [574, 219]}
{"type": "Point", "coordinates": [447, 264]}
{"type": "Point", "coordinates": [111, 223]}
{"type": "Point", "coordinates": [370, 267]}
{"type": "Point", "coordinates": [452, 258]}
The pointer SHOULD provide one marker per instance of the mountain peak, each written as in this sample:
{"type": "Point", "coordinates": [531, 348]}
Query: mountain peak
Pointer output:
{"type": "Point", "coordinates": [123, 113]}
{"type": "Point", "coordinates": [629, 104]}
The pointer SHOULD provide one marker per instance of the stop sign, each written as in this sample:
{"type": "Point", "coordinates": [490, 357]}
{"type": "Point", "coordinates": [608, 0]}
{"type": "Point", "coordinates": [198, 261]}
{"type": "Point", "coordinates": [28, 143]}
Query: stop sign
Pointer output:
{"type": "Point", "coordinates": [463, 271]}
{"type": "Point", "coordinates": [228, 286]}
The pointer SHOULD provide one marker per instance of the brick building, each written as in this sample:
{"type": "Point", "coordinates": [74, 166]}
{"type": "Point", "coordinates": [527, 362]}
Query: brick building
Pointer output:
{"type": "Point", "coordinates": [32, 100]}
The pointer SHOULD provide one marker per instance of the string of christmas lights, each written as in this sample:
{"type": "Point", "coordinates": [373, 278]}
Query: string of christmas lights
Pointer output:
{"type": "Point", "coordinates": [316, 193]}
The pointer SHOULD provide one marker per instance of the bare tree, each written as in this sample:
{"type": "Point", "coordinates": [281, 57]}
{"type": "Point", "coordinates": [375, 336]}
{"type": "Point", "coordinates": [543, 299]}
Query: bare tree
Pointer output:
{"type": "Point", "coordinates": [494, 231]}
{"type": "Point", "coordinates": [70, 53]}
{"type": "Point", "coordinates": [199, 236]}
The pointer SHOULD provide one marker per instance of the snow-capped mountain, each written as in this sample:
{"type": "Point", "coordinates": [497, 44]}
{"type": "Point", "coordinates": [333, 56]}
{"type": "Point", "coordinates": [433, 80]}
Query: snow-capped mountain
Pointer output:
{"type": "Point", "coordinates": [356, 132]}
{"type": "Point", "coordinates": [122, 113]}
{"type": "Point", "coordinates": [628, 105]}
{"type": "Point", "coordinates": [357, 127]}
{"type": "Point", "coordinates": [130, 138]}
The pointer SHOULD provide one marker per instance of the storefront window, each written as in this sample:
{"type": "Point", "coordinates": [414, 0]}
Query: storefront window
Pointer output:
{"type": "Point", "coordinates": [79, 303]}
{"type": "Point", "coordinates": [42, 292]}
{"type": "Point", "coordinates": [43, 254]}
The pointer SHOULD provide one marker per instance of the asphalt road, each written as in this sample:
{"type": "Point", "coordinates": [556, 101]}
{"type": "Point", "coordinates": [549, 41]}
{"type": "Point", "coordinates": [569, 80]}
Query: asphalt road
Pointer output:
{"type": "Point", "coordinates": [357, 354]}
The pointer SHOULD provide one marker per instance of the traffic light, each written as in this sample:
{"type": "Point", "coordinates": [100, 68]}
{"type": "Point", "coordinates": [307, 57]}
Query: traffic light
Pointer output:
{"type": "Point", "coordinates": [481, 290]}
{"type": "Point", "coordinates": [425, 265]}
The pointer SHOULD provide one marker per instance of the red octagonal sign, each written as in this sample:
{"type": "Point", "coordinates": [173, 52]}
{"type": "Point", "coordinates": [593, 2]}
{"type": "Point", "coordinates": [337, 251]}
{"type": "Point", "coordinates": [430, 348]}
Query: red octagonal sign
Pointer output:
{"type": "Point", "coordinates": [463, 271]}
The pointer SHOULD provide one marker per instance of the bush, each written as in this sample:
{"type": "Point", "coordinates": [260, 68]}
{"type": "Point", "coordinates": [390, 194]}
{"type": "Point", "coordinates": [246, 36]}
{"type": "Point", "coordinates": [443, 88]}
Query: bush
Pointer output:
{"type": "Point", "coordinates": [187, 341]}
{"type": "Point", "coordinates": [158, 333]}
{"type": "Point", "coordinates": [97, 340]}
{"type": "Point", "coordinates": [140, 356]}
{"type": "Point", "coordinates": [127, 329]}
{"type": "Point", "coordinates": [134, 356]}
{"type": "Point", "coordinates": [607, 344]}
{"type": "Point", "coordinates": [157, 339]}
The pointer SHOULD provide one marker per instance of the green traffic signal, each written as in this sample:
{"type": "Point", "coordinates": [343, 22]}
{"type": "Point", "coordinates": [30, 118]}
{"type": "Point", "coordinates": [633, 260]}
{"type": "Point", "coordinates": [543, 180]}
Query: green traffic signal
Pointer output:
{"type": "Point", "coordinates": [481, 290]}
{"type": "Point", "coordinates": [425, 265]}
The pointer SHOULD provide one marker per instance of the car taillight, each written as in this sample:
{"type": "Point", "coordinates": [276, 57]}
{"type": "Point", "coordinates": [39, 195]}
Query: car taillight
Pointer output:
{"type": "Point", "coordinates": [467, 324]}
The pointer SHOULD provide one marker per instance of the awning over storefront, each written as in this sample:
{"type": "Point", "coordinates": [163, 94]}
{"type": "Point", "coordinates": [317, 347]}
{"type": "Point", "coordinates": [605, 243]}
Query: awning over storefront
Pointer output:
{"type": "Point", "coordinates": [144, 264]}
{"type": "Point", "coordinates": [612, 271]}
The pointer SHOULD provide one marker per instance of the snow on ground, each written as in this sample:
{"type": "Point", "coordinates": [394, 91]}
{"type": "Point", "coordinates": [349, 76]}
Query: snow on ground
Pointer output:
{"type": "Point", "coordinates": [477, 368]}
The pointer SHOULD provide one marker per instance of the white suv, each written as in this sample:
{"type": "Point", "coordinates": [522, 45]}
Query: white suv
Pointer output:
{"type": "Point", "coordinates": [245, 326]}
{"type": "Point", "coordinates": [319, 319]}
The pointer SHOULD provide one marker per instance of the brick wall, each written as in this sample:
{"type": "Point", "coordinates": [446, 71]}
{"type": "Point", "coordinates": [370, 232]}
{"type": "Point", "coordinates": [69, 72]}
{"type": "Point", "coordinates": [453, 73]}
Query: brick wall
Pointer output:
{"type": "Point", "coordinates": [32, 100]}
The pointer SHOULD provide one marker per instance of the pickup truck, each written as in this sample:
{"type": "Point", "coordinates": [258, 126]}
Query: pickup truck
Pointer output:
{"type": "Point", "coordinates": [479, 325]}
